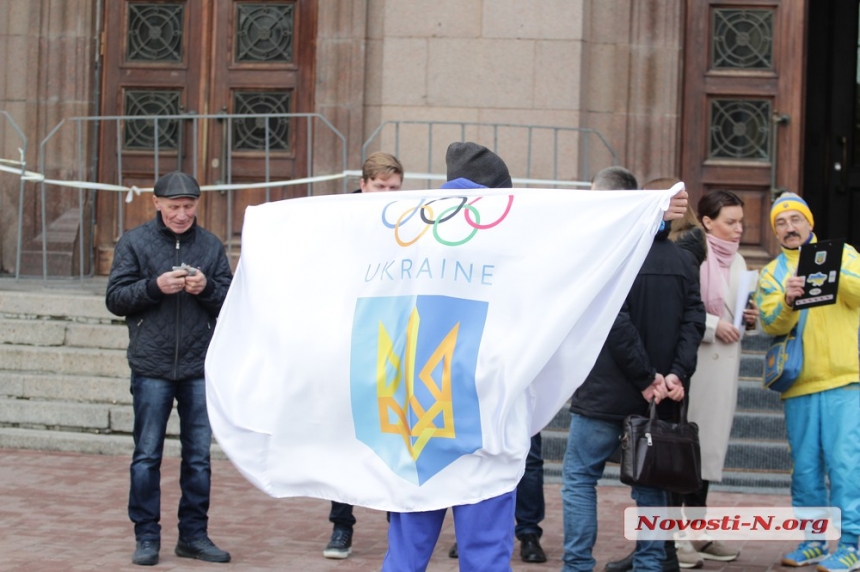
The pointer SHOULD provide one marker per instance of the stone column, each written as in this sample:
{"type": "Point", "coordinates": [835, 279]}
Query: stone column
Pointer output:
{"type": "Point", "coordinates": [632, 81]}
{"type": "Point", "coordinates": [49, 49]}
{"type": "Point", "coordinates": [340, 81]}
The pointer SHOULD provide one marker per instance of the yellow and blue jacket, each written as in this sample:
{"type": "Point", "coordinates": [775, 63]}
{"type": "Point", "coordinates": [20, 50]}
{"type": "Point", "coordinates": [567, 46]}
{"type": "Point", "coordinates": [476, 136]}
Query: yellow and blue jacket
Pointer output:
{"type": "Point", "coordinates": [830, 355]}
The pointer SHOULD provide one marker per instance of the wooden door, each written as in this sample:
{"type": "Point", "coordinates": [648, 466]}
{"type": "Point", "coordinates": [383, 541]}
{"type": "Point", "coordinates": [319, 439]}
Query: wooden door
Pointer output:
{"type": "Point", "coordinates": [194, 60]}
{"type": "Point", "coordinates": [256, 70]}
{"type": "Point", "coordinates": [743, 106]}
{"type": "Point", "coordinates": [832, 158]}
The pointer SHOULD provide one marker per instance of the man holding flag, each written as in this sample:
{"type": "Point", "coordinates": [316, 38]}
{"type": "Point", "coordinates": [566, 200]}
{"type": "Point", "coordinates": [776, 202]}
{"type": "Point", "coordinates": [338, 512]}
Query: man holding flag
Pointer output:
{"type": "Point", "coordinates": [460, 323]}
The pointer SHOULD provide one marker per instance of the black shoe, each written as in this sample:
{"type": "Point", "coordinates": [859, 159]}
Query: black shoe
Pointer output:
{"type": "Point", "coordinates": [670, 565]}
{"type": "Point", "coordinates": [623, 565]}
{"type": "Point", "coordinates": [202, 549]}
{"type": "Point", "coordinates": [340, 544]}
{"type": "Point", "coordinates": [146, 552]}
{"type": "Point", "coordinates": [530, 550]}
{"type": "Point", "coordinates": [454, 553]}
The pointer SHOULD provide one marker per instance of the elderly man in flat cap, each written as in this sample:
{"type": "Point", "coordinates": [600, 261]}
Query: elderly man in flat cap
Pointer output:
{"type": "Point", "coordinates": [169, 279]}
{"type": "Point", "coordinates": [822, 407]}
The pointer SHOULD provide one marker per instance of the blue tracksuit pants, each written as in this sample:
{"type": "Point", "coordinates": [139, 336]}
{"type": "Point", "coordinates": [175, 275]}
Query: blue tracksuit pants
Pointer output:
{"type": "Point", "coordinates": [484, 530]}
{"type": "Point", "coordinates": [824, 436]}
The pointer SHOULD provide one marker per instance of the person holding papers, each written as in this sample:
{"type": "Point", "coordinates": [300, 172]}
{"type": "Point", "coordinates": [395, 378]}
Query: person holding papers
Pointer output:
{"type": "Point", "coordinates": [714, 387]}
{"type": "Point", "coordinates": [822, 405]}
{"type": "Point", "coordinates": [169, 279]}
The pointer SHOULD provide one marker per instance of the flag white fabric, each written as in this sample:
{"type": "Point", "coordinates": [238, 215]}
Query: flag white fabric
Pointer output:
{"type": "Point", "coordinates": [397, 350]}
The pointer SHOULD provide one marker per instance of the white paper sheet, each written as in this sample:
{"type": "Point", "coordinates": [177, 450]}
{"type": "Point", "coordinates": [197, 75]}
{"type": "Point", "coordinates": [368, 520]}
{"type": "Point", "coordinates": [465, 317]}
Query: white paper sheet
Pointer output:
{"type": "Point", "coordinates": [746, 285]}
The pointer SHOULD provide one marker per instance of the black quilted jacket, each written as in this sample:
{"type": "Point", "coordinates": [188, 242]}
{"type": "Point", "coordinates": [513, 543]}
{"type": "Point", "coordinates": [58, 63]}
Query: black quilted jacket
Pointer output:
{"type": "Point", "coordinates": [168, 334]}
{"type": "Point", "coordinates": [658, 329]}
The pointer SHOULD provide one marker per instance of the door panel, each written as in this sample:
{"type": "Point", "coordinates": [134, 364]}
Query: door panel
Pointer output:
{"type": "Point", "coordinates": [742, 119]}
{"type": "Point", "coordinates": [153, 65]}
{"type": "Point", "coordinates": [198, 59]}
{"type": "Point", "coordinates": [833, 130]}
{"type": "Point", "coordinates": [258, 48]}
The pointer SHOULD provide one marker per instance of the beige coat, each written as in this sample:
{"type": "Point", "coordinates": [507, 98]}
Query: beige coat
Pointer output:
{"type": "Point", "coordinates": [714, 386]}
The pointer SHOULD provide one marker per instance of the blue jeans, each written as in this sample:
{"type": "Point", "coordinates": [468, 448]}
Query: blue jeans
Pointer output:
{"type": "Point", "coordinates": [590, 443]}
{"type": "Point", "coordinates": [530, 507]}
{"type": "Point", "coordinates": [152, 402]}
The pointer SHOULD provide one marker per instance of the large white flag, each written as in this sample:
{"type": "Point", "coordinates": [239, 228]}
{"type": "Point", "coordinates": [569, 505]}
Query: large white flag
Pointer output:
{"type": "Point", "coordinates": [397, 350]}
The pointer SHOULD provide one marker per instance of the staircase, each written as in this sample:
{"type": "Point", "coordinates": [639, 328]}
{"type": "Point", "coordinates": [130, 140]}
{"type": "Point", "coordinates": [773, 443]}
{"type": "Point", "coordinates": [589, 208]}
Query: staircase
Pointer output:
{"type": "Point", "coordinates": [64, 378]}
{"type": "Point", "coordinates": [64, 386]}
{"type": "Point", "coordinates": [758, 457]}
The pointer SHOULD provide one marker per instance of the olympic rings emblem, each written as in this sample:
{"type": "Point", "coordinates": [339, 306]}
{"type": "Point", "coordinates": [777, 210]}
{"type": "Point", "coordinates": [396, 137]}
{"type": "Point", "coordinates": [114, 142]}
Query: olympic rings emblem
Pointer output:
{"type": "Point", "coordinates": [467, 226]}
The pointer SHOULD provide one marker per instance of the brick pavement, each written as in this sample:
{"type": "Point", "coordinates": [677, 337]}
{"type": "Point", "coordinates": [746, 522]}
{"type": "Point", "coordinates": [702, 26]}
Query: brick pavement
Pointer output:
{"type": "Point", "coordinates": [66, 511]}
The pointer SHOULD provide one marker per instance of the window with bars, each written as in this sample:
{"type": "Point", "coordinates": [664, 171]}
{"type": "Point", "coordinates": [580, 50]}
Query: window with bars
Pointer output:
{"type": "Point", "coordinates": [155, 32]}
{"type": "Point", "coordinates": [140, 134]}
{"type": "Point", "coordinates": [255, 133]}
{"type": "Point", "coordinates": [742, 39]}
{"type": "Point", "coordinates": [739, 129]}
{"type": "Point", "coordinates": [264, 32]}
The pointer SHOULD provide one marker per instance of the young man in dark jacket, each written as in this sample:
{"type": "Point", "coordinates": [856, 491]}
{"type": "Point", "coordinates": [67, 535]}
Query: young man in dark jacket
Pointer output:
{"type": "Point", "coordinates": [169, 279]}
{"type": "Point", "coordinates": [650, 352]}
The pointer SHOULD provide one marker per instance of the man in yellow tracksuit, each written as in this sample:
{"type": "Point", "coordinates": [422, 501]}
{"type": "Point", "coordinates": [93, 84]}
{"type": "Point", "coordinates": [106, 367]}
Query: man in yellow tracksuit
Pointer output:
{"type": "Point", "coordinates": [822, 407]}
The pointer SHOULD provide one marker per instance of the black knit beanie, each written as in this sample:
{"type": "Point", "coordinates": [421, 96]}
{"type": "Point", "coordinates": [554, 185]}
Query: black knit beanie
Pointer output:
{"type": "Point", "coordinates": [478, 164]}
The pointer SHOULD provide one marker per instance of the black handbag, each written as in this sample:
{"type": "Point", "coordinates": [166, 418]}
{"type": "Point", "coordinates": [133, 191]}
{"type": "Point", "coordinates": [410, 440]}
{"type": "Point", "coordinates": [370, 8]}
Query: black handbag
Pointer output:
{"type": "Point", "coordinates": [661, 454]}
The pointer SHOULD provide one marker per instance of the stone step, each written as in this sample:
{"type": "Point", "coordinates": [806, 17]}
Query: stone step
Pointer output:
{"type": "Point", "coordinates": [756, 455]}
{"type": "Point", "coordinates": [33, 332]}
{"type": "Point", "coordinates": [42, 440]}
{"type": "Point", "coordinates": [65, 360]}
{"type": "Point", "coordinates": [757, 344]}
{"type": "Point", "coordinates": [751, 367]}
{"type": "Point", "coordinates": [55, 414]}
{"type": "Point", "coordinates": [759, 426]}
{"type": "Point", "coordinates": [97, 336]}
{"type": "Point", "coordinates": [72, 388]}
{"type": "Point", "coordinates": [62, 415]}
{"type": "Point", "coordinates": [51, 333]}
{"type": "Point", "coordinates": [81, 305]}
{"type": "Point", "coordinates": [752, 396]}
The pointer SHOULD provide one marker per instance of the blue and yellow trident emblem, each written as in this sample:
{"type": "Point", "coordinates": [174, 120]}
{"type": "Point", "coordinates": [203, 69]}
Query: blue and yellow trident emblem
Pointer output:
{"type": "Point", "coordinates": [412, 378]}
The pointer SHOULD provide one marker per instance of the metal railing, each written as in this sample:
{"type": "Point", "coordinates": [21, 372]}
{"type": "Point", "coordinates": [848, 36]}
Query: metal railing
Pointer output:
{"type": "Point", "coordinates": [74, 167]}
{"type": "Point", "coordinates": [547, 156]}
{"type": "Point", "coordinates": [543, 153]}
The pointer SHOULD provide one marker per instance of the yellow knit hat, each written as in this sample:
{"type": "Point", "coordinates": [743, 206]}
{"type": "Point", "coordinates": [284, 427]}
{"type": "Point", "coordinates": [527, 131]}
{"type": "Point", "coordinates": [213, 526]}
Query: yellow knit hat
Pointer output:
{"type": "Point", "coordinates": [790, 202]}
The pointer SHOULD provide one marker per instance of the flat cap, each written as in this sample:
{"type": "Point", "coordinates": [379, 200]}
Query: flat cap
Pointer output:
{"type": "Point", "coordinates": [177, 185]}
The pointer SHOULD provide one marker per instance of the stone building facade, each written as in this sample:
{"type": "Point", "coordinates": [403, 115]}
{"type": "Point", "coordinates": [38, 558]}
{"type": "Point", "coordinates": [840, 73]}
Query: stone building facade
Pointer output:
{"type": "Point", "coordinates": [625, 68]}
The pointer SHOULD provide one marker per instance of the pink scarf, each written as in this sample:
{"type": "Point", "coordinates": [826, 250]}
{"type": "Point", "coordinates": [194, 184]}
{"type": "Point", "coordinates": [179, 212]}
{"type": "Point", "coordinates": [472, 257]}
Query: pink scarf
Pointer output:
{"type": "Point", "coordinates": [714, 273]}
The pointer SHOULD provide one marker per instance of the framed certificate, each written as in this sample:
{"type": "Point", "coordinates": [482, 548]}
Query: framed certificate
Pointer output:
{"type": "Point", "coordinates": [819, 265]}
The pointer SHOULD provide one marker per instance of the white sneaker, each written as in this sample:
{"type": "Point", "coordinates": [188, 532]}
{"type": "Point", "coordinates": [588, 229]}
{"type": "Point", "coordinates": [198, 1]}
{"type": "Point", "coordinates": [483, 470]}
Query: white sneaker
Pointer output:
{"type": "Point", "coordinates": [687, 555]}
